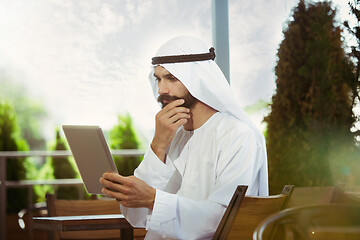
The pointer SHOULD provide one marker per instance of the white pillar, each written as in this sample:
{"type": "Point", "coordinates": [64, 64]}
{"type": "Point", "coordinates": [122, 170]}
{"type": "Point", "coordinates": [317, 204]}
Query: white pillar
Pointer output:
{"type": "Point", "coordinates": [220, 35]}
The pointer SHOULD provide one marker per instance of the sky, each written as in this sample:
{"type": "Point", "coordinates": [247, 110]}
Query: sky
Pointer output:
{"type": "Point", "coordinates": [88, 61]}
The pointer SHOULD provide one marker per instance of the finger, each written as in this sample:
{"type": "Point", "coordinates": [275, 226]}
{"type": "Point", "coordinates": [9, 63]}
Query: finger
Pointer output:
{"type": "Point", "coordinates": [114, 177]}
{"type": "Point", "coordinates": [180, 122]}
{"type": "Point", "coordinates": [178, 116]}
{"type": "Point", "coordinates": [173, 104]}
{"type": "Point", "coordinates": [116, 187]}
{"type": "Point", "coordinates": [174, 115]}
{"type": "Point", "coordinates": [109, 184]}
{"type": "Point", "coordinates": [112, 194]}
{"type": "Point", "coordinates": [175, 111]}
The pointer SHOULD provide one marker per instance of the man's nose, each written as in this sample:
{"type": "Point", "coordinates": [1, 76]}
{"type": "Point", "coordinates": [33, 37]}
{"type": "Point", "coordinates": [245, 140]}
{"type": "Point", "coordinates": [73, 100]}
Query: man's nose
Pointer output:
{"type": "Point", "coordinates": [162, 87]}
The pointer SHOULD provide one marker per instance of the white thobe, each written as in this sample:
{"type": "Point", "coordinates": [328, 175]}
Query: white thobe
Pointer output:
{"type": "Point", "coordinates": [202, 170]}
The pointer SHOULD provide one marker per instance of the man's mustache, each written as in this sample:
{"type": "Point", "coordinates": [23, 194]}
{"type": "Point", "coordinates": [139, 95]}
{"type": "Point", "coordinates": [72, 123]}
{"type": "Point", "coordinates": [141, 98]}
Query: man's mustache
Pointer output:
{"type": "Point", "coordinates": [167, 98]}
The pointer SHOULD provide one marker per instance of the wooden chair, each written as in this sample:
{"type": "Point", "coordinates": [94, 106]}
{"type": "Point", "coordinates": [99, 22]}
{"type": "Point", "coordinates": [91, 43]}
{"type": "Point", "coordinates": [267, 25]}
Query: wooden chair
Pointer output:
{"type": "Point", "coordinates": [59, 207]}
{"type": "Point", "coordinates": [314, 195]}
{"type": "Point", "coordinates": [315, 222]}
{"type": "Point", "coordinates": [244, 213]}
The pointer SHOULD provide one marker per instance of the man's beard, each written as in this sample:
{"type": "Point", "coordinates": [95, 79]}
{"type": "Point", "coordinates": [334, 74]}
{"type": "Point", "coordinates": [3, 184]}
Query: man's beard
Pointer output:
{"type": "Point", "coordinates": [189, 100]}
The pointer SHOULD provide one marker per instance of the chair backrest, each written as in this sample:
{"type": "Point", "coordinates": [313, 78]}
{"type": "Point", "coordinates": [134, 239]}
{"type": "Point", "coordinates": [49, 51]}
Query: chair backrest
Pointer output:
{"type": "Point", "coordinates": [316, 222]}
{"type": "Point", "coordinates": [350, 195]}
{"type": "Point", "coordinates": [248, 213]}
{"type": "Point", "coordinates": [314, 195]}
{"type": "Point", "coordinates": [60, 207]}
{"type": "Point", "coordinates": [229, 215]}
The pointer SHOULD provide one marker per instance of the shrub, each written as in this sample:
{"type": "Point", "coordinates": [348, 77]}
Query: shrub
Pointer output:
{"type": "Point", "coordinates": [62, 169]}
{"type": "Point", "coordinates": [16, 169]}
{"type": "Point", "coordinates": [308, 137]}
{"type": "Point", "coordinates": [123, 136]}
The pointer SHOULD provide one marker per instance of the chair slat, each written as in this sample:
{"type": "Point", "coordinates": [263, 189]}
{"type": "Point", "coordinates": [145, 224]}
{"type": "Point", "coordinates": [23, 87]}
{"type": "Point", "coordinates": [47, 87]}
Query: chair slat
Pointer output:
{"type": "Point", "coordinates": [249, 213]}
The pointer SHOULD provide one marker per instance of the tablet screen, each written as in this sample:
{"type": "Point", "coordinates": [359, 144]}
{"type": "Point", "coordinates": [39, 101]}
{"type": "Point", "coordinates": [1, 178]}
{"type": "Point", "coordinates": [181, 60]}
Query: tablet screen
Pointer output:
{"type": "Point", "coordinates": [91, 153]}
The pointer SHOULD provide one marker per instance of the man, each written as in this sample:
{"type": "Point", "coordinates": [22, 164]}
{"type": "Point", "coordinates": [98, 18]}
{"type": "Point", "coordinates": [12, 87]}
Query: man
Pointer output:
{"type": "Point", "coordinates": [204, 146]}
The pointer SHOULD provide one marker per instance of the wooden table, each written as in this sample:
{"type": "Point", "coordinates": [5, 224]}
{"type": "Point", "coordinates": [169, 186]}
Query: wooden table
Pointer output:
{"type": "Point", "coordinates": [88, 222]}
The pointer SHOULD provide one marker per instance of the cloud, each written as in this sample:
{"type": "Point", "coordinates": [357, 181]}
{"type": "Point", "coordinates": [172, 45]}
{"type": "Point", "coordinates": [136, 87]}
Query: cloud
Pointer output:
{"type": "Point", "coordinates": [255, 31]}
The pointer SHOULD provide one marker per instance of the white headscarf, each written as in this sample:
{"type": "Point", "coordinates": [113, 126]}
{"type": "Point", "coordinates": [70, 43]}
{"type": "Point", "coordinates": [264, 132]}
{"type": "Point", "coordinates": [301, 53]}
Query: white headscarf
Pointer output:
{"type": "Point", "coordinates": [206, 82]}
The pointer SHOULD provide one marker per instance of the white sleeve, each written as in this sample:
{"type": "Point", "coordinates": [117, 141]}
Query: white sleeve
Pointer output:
{"type": "Point", "coordinates": [241, 162]}
{"type": "Point", "coordinates": [157, 175]}
{"type": "Point", "coordinates": [183, 218]}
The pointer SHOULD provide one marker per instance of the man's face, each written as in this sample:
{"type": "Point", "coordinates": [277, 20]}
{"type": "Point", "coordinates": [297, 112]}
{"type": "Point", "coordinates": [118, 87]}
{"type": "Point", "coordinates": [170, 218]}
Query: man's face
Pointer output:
{"type": "Point", "coordinates": [170, 88]}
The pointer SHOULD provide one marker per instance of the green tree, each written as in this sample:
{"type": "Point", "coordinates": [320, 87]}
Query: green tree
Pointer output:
{"type": "Point", "coordinates": [355, 55]}
{"type": "Point", "coordinates": [123, 136]}
{"type": "Point", "coordinates": [308, 137]}
{"type": "Point", "coordinates": [17, 168]}
{"type": "Point", "coordinates": [62, 169]}
{"type": "Point", "coordinates": [45, 172]}
{"type": "Point", "coordinates": [30, 112]}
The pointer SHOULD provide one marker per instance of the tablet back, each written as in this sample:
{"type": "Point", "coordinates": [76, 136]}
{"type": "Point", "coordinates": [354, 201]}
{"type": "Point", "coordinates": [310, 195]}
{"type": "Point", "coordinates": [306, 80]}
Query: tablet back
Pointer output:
{"type": "Point", "coordinates": [91, 154]}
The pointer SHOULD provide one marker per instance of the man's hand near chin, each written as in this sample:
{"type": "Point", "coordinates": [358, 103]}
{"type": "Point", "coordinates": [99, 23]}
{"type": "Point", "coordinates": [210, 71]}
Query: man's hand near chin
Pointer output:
{"type": "Point", "coordinates": [129, 191]}
{"type": "Point", "coordinates": [168, 121]}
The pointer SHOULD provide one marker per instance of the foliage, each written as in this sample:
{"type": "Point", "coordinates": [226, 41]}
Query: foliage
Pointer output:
{"type": "Point", "coordinates": [62, 169]}
{"type": "Point", "coordinates": [45, 172]}
{"type": "Point", "coordinates": [355, 54]}
{"type": "Point", "coordinates": [30, 113]}
{"type": "Point", "coordinates": [308, 137]}
{"type": "Point", "coordinates": [256, 107]}
{"type": "Point", "coordinates": [16, 169]}
{"type": "Point", "coordinates": [123, 136]}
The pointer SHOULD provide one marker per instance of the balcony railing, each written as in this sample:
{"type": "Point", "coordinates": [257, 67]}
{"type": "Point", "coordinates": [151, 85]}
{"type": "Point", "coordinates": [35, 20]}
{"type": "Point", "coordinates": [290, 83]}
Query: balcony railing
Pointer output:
{"type": "Point", "coordinates": [29, 184]}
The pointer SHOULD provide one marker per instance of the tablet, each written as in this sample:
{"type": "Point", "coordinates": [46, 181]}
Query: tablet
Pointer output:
{"type": "Point", "coordinates": [91, 153]}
